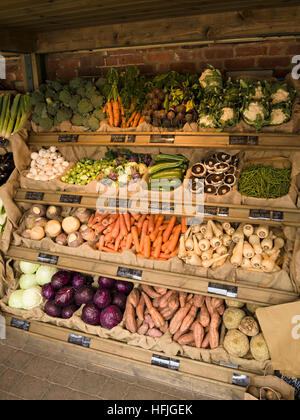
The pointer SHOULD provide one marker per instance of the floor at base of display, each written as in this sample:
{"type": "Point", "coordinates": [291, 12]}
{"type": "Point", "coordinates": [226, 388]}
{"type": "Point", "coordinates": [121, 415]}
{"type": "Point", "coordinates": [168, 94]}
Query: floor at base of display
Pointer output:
{"type": "Point", "coordinates": [35, 369]}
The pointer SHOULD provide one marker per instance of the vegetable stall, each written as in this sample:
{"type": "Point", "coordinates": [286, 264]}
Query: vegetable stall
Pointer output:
{"type": "Point", "coordinates": [99, 239]}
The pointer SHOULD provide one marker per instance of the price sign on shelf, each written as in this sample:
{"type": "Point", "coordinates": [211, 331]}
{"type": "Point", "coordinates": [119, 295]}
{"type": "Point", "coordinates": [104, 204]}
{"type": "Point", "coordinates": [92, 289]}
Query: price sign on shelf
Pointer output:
{"type": "Point", "coordinates": [68, 138]}
{"type": "Point", "coordinates": [240, 380]}
{"type": "Point", "coordinates": [222, 290]}
{"type": "Point", "coordinates": [79, 340]}
{"type": "Point", "coordinates": [165, 362]}
{"type": "Point", "coordinates": [47, 259]}
{"type": "Point", "coordinates": [118, 138]}
{"type": "Point", "coordinates": [34, 196]}
{"type": "Point", "coordinates": [20, 324]}
{"type": "Point", "coordinates": [162, 138]}
{"type": "Point", "coordinates": [71, 199]}
{"type": "Point", "coordinates": [130, 273]}
{"type": "Point", "coordinates": [260, 214]}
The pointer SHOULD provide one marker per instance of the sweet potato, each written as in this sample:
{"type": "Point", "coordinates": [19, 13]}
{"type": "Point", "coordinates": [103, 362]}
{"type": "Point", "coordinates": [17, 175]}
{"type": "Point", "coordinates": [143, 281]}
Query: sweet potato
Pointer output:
{"type": "Point", "coordinates": [150, 291]}
{"type": "Point", "coordinates": [182, 299]}
{"type": "Point", "coordinates": [130, 320]}
{"type": "Point", "coordinates": [173, 304]}
{"type": "Point", "coordinates": [134, 297]}
{"type": "Point", "coordinates": [216, 302]}
{"type": "Point", "coordinates": [155, 302]}
{"type": "Point", "coordinates": [209, 305]}
{"type": "Point", "coordinates": [198, 335]}
{"type": "Point", "coordinates": [214, 338]}
{"type": "Point", "coordinates": [163, 301]}
{"type": "Point", "coordinates": [199, 300]}
{"type": "Point", "coordinates": [221, 310]}
{"type": "Point", "coordinates": [140, 309]}
{"type": "Point", "coordinates": [155, 315]}
{"type": "Point", "coordinates": [161, 290]}
{"type": "Point", "coordinates": [204, 317]}
{"type": "Point", "coordinates": [186, 339]}
{"type": "Point", "coordinates": [143, 329]}
{"type": "Point", "coordinates": [166, 313]}
{"type": "Point", "coordinates": [164, 328]}
{"type": "Point", "coordinates": [177, 335]}
{"type": "Point", "coordinates": [205, 342]}
{"type": "Point", "coordinates": [149, 320]}
{"type": "Point", "coordinates": [176, 321]}
{"type": "Point", "coordinates": [154, 332]}
{"type": "Point", "coordinates": [189, 319]}
{"type": "Point", "coordinates": [215, 320]}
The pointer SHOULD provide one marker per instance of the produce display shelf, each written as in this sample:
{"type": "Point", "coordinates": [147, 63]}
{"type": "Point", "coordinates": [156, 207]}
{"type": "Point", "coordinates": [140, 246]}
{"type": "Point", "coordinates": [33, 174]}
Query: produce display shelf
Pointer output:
{"type": "Point", "coordinates": [242, 141]}
{"type": "Point", "coordinates": [243, 292]}
{"type": "Point", "coordinates": [227, 380]}
{"type": "Point", "coordinates": [217, 211]}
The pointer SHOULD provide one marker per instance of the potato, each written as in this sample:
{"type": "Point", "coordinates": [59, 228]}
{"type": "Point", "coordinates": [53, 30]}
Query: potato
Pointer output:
{"type": "Point", "coordinates": [38, 210]}
{"type": "Point", "coordinates": [37, 233]}
{"type": "Point", "coordinates": [53, 212]}
{"type": "Point", "coordinates": [62, 239]}
{"type": "Point", "coordinates": [75, 239]}
{"type": "Point", "coordinates": [83, 215]}
{"type": "Point", "coordinates": [70, 224]}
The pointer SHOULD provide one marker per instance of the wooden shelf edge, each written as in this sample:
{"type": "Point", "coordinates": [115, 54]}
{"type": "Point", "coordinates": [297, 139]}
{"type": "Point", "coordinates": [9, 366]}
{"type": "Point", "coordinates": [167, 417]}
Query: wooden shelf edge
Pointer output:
{"type": "Point", "coordinates": [246, 293]}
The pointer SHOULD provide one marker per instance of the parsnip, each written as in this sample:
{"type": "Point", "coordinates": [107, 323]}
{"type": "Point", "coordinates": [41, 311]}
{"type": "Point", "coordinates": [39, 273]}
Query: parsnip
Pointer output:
{"type": "Point", "coordinates": [215, 242]}
{"type": "Point", "coordinates": [255, 242]}
{"type": "Point", "coordinates": [237, 254]}
{"type": "Point", "coordinates": [248, 251]}
{"type": "Point", "coordinates": [262, 231]}
{"type": "Point", "coordinates": [238, 234]}
{"type": "Point", "coordinates": [204, 244]}
{"type": "Point", "coordinates": [248, 230]}
{"type": "Point", "coordinates": [256, 261]}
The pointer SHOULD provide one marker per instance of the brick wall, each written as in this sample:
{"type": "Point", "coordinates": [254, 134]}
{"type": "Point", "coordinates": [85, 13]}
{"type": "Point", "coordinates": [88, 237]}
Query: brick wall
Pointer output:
{"type": "Point", "coordinates": [14, 76]}
{"type": "Point", "coordinates": [273, 55]}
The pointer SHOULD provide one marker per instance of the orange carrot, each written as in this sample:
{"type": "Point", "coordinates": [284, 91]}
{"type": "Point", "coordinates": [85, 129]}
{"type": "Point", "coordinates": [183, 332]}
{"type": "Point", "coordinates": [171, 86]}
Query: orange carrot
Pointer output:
{"type": "Point", "coordinates": [158, 247]}
{"type": "Point", "coordinates": [157, 239]}
{"type": "Point", "coordinates": [133, 115]}
{"type": "Point", "coordinates": [116, 113]}
{"type": "Point", "coordinates": [147, 247]}
{"type": "Point", "coordinates": [136, 216]}
{"type": "Point", "coordinates": [142, 119]}
{"type": "Point", "coordinates": [136, 120]}
{"type": "Point", "coordinates": [151, 226]}
{"type": "Point", "coordinates": [101, 243]}
{"type": "Point", "coordinates": [110, 113]}
{"type": "Point", "coordinates": [118, 241]}
{"type": "Point", "coordinates": [144, 233]}
{"type": "Point", "coordinates": [183, 225]}
{"type": "Point", "coordinates": [129, 241]}
{"type": "Point", "coordinates": [123, 227]}
{"type": "Point", "coordinates": [135, 238]}
{"type": "Point", "coordinates": [173, 243]}
{"type": "Point", "coordinates": [141, 221]}
{"type": "Point", "coordinates": [116, 230]}
{"type": "Point", "coordinates": [99, 228]}
{"type": "Point", "coordinates": [108, 237]}
{"type": "Point", "coordinates": [110, 246]}
{"type": "Point", "coordinates": [158, 224]}
{"type": "Point", "coordinates": [127, 221]}
{"type": "Point", "coordinates": [169, 229]}
{"type": "Point", "coordinates": [105, 249]}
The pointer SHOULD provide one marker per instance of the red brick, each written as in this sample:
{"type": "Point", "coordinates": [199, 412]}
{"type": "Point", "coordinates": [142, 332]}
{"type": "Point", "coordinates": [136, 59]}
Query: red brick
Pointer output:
{"type": "Point", "coordinates": [147, 69]}
{"type": "Point", "coordinates": [121, 52]}
{"type": "Point", "coordinates": [163, 57]}
{"type": "Point", "coordinates": [250, 50]}
{"type": "Point", "coordinates": [90, 72]}
{"type": "Point", "coordinates": [112, 61]}
{"type": "Point", "coordinates": [130, 60]}
{"type": "Point", "coordinates": [273, 62]}
{"type": "Point", "coordinates": [162, 68]}
{"type": "Point", "coordinates": [277, 49]}
{"type": "Point", "coordinates": [239, 63]}
{"type": "Point", "coordinates": [69, 63]}
{"type": "Point", "coordinates": [183, 67]}
{"type": "Point", "coordinates": [99, 59]}
{"type": "Point", "coordinates": [66, 73]}
{"type": "Point", "coordinates": [293, 49]}
{"type": "Point", "coordinates": [218, 53]}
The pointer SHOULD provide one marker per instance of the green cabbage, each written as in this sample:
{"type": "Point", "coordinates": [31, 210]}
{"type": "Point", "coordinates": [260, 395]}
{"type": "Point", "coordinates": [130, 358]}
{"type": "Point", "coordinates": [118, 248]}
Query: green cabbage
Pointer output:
{"type": "Point", "coordinates": [44, 274]}
{"type": "Point", "coordinates": [27, 281]}
{"type": "Point", "coordinates": [28, 268]}
{"type": "Point", "coordinates": [32, 298]}
{"type": "Point", "coordinates": [16, 299]}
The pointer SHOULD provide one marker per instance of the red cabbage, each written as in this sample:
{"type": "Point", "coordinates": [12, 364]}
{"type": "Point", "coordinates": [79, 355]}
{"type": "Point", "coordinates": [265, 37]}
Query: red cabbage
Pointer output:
{"type": "Point", "coordinates": [123, 287]}
{"type": "Point", "coordinates": [102, 298]}
{"type": "Point", "coordinates": [60, 279]}
{"type": "Point", "coordinates": [84, 295]}
{"type": "Point", "coordinates": [91, 314]}
{"type": "Point", "coordinates": [68, 311]}
{"type": "Point", "coordinates": [106, 283]}
{"type": "Point", "coordinates": [79, 280]}
{"type": "Point", "coordinates": [64, 296]}
{"type": "Point", "coordinates": [48, 292]}
{"type": "Point", "coordinates": [119, 299]}
{"type": "Point", "coordinates": [52, 309]}
{"type": "Point", "coordinates": [111, 317]}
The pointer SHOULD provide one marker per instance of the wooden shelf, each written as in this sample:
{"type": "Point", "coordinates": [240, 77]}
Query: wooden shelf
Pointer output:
{"type": "Point", "coordinates": [242, 141]}
{"type": "Point", "coordinates": [216, 211]}
{"type": "Point", "coordinates": [243, 292]}
{"type": "Point", "coordinates": [121, 356]}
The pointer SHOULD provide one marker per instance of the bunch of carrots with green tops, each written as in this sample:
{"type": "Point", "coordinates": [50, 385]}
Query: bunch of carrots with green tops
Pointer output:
{"type": "Point", "coordinates": [153, 236]}
{"type": "Point", "coordinates": [13, 113]}
{"type": "Point", "coordinates": [125, 98]}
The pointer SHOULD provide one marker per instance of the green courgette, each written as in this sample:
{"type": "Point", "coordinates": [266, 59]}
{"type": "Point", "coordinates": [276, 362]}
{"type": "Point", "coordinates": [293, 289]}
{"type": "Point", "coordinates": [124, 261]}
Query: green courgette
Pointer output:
{"type": "Point", "coordinates": [164, 157]}
{"type": "Point", "coordinates": [175, 173]}
{"type": "Point", "coordinates": [163, 166]}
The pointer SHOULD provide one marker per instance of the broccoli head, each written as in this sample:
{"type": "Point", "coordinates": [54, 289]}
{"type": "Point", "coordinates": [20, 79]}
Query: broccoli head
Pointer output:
{"type": "Point", "coordinates": [55, 84]}
{"type": "Point", "coordinates": [52, 109]}
{"type": "Point", "coordinates": [92, 123]}
{"type": "Point", "coordinates": [76, 83]}
{"type": "Point", "coordinates": [63, 114]}
{"type": "Point", "coordinates": [98, 114]}
{"type": "Point", "coordinates": [74, 102]}
{"type": "Point", "coordinates": [37, 96]}
{"type": "Point", "coordinates": [97, 100]}
{"type": "Point", "coordinates": [81, 91]}
{"type": "Point", "coordinates": [51, 94]}
{"type": "Point", "coordinates": [65, 97]}
{"type": "Point", "coordinates": [46, 123]}
{"type": "Point", "coordinates": [85, 106]}
{"type": "Point", "coordinates": [100, 83]}
{"type": "Point", "coordinates": [78, 120]}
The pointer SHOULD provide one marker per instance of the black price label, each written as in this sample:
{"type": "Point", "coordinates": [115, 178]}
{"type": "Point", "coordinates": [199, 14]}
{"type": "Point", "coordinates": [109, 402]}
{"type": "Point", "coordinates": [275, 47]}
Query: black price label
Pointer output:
{"type": "Point", "coordinates": [223, 211]}
{"type": "Point", "coordinates": [131, 138]}
{"type": "Point", "coordinates": [79, 340]}
{"type": "Point", "coordinates": [20, 324]}
{"type": "Point", "coordinates": [240, 380]}
{"type": "Point", "coordinates": [70, 199]}
{"type": "Point", "coordinates": [210, 211]}
{"type": "Point", "coordinates": [118, 138]}
{"type": "Point", "coordinates": [260, 214]}
{"type": "Point", "coordinates": [130, 273]}
{"type": "Point", "coordinates": [47, 259]}
{"type": "Point", "coordinates": [68, 138]}
{"type": "Point", "coordinates": [165, 362]}
{"type": "Point", "coordinates": [162, 138]}
{"type": "Point", "coordinates": [34, 195]}
{"type": "Point", "coordinates": [278, 216]}
{"type": "Point", "coordinates": [244, 140]}
{"type": "Point", "coordinates": [222, 289]}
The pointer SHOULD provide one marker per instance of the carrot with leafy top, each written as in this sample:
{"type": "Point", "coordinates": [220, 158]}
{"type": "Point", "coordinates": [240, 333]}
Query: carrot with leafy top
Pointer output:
{"type": "Point", "coordinates": [116, 113]}
{"type": "Point", "coordinates": [109, 111]}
